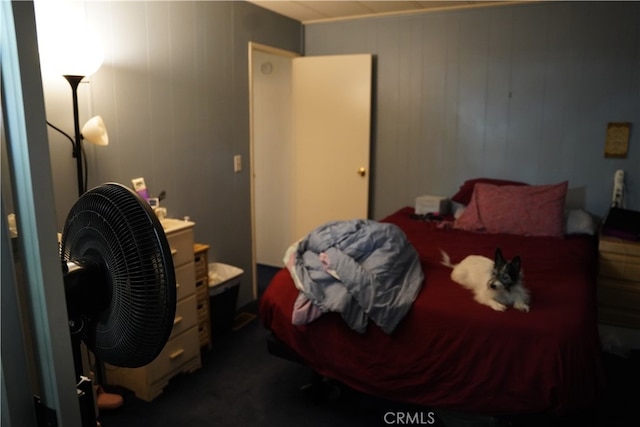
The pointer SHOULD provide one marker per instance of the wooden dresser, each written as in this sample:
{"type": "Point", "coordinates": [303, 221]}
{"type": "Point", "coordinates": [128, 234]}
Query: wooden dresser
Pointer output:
{"type": "Point", "coordinates": [200, 259]}
{"type": "Point", "coordinates": [619, 282]}
{"type": "Point", "coordinates": [181, 354]}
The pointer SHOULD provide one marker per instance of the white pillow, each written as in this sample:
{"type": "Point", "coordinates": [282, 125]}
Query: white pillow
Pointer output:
{"type": "Point", "coordinates": [579, 221]}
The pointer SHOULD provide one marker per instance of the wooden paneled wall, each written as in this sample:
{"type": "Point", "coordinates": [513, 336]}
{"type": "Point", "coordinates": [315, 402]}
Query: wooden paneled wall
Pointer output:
{"type": "Point", "coordinates": [174, 93]}
{"type": "Point", "coordinates": [521, 92]}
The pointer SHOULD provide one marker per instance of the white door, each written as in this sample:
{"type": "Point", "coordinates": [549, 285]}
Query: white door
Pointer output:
{"type": "Point", "coordinates": [331, 132]}
{"type": "Point", "coordinates": [308, 173]}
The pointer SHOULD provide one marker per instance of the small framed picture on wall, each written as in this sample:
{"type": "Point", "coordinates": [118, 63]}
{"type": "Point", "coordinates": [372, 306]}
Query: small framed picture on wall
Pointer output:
{"type": "Point", "coordinates": [617, 142]}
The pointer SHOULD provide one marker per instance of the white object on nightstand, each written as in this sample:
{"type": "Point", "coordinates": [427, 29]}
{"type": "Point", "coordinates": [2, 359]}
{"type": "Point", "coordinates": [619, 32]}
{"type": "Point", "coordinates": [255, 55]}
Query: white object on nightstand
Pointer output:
{"type": "Point", "coordinates": [432, 204]}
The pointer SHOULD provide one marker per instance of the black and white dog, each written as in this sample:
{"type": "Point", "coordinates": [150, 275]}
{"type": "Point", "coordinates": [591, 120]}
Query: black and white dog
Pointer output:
{"type": "Point", "coordinates": [496, 283]}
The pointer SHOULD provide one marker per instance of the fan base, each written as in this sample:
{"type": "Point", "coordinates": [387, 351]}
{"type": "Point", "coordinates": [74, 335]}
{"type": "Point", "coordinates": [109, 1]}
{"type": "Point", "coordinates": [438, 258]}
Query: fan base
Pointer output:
{"type": "Point", "coordinates": [107, 400]}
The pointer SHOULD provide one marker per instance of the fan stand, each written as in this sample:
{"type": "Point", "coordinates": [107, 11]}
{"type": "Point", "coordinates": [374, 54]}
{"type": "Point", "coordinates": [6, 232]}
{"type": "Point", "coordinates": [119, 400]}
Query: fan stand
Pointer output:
{"type": "Point", "coordinates": [84, 384]}
{"type": "Point", "coordinates": [104, 400]}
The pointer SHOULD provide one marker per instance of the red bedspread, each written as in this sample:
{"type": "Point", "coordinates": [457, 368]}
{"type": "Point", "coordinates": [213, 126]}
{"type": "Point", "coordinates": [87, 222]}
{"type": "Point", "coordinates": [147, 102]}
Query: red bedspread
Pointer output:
{"type": "Point", "coordinates": [451, 352]}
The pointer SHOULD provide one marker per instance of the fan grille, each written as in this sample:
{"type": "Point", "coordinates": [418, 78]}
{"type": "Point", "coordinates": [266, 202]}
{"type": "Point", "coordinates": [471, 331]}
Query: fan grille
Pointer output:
{"type": "Point", "coordinates": [112, 228]}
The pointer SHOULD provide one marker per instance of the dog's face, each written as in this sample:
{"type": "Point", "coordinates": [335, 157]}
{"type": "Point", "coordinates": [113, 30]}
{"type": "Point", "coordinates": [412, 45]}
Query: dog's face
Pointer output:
{"type": "Point", "coordinates": [505, 274]}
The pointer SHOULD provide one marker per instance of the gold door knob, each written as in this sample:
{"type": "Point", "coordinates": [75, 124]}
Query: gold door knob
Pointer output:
{"type": "Point", "coordinates": [362, 171]}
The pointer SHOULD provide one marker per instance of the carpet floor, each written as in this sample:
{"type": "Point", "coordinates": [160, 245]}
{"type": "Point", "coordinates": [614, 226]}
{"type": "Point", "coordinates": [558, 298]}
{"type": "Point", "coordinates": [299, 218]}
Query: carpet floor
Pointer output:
{"type": "Point", "coordinates": [241, 384]}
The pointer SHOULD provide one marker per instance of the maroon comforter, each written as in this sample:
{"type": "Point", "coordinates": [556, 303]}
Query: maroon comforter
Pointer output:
{"type": "Point", "coordinates": [450, 351]}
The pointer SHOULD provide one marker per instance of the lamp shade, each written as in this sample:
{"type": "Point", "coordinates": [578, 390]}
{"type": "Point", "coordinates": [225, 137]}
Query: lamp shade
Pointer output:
{"type": "Point", "coordinates": [95, 131]}
{"type": "Point", "coordinates": [67, 45]}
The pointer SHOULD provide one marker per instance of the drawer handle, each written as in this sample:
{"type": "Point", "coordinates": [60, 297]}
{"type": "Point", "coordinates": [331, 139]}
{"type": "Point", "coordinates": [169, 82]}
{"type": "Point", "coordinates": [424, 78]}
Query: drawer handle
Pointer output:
{"type": "Point", "coordinates": [177, 320]}
{"type": "Point", "coordinates": [176, 354]}
{"type": "Point", "coordinates": [173, 251]}
{"type": "Point", "coordinates": [177, 285]}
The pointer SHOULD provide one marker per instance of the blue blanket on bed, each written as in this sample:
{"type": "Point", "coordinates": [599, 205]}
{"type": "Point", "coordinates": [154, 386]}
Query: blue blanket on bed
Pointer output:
{"type": "Point", "coordinates": [361, 268]}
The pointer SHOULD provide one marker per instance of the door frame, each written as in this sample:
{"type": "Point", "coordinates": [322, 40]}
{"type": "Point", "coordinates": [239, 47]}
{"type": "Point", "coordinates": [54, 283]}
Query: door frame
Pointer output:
{"type": "Point", "coordinates": [34, 323]}
{"type": "Point", "coordinates": [257, 47]}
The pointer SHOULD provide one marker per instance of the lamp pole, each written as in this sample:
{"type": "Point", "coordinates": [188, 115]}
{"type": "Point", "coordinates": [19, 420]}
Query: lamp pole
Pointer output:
{"type": "Point", "coordinates": [74, 81]}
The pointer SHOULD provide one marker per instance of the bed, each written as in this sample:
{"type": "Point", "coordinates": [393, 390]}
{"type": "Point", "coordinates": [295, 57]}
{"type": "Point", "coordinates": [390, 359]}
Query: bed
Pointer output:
{"type": "Point", "coordinates": [448, 351]}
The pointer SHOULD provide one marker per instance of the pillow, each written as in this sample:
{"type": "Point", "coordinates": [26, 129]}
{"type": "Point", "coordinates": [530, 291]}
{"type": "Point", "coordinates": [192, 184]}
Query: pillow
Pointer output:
{"type": "Point", "coordinates": [457, 209]}
{"type": "Point", "coordinates": [579, 221]}
{"type": "Point", "coordinates": [529, 210]}
{"type": "Point", "coordinates": [466, 190]}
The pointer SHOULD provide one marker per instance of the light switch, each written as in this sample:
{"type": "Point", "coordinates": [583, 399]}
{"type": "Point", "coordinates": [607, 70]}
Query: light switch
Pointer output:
{"type": "Point", "coordinates": [237, 163]}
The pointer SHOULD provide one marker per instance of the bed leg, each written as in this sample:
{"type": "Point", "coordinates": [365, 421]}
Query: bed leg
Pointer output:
{"type": "Point", "coordinates": [321, 388]}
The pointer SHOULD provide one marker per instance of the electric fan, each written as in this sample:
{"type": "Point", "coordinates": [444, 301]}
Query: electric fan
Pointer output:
{"type": "Point", "coordinates": [119, 278]}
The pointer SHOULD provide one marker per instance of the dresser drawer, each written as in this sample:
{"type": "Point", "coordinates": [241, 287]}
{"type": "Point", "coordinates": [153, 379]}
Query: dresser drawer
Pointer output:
{"type": "Point", "coordinates": [202, 269]}
{"type": "Point", "coordinates": [619, 316]}
{"type": "Point", "coordinates": [186, 316]}
{"type": "Point", "coordinates": [202, 289]}
{"type": "Point", "coordinates": [619, 246]}
{"type": "Point", "coordinates": [205, 334]}
{"type": "Point", "coordinates": [619, 293]}
{"type": "Point", "coordinates": [181, 244]}
{"type": "Point", "coordinates": [185, 281]}
{"type": "Point", "coordinates": [178, 351]}
{"type": "Point", "coordinates": [619, 266]}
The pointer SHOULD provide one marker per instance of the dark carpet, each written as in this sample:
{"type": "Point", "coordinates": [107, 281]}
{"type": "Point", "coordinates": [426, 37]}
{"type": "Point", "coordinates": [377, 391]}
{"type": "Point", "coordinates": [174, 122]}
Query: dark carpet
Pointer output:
{"type": "Point", "coordinates": [241, 384]}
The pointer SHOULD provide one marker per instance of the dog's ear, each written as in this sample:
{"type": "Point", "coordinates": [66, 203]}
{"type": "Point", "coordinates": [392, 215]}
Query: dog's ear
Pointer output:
{"type": "Point", "coordinates": [498, 259]}
{"type": "Point", "coordinates": [515, 265]}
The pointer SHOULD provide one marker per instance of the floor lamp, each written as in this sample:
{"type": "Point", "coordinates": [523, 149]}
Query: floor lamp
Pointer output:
{"type": "Point", "coordinates": [103, 139]}
{"type": "Point", "coordinates": [94, 131]}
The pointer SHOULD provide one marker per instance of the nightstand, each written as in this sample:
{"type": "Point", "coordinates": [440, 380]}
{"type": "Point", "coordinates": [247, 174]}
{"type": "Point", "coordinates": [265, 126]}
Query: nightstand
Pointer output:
{"type": "Point", "coordinates": [619, 282]}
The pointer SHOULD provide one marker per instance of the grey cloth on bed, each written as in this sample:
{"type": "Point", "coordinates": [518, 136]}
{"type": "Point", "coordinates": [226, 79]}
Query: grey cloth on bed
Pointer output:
{"type": "Point", "coordinates": [363, 269]}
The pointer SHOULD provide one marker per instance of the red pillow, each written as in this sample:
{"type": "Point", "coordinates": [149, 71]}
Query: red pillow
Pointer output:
{"type": "Point", "coordinates": [530, 210]}
{"type": "Point", "coordinates": [466, 190]}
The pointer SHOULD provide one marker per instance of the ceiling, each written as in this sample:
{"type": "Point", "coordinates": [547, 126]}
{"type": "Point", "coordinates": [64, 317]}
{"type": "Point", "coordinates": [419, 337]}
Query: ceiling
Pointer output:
{"type": "Point", "coordinates": [311, 11]}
